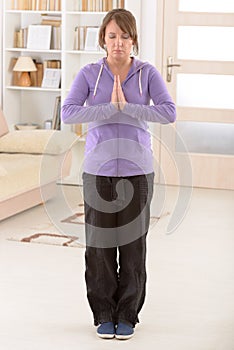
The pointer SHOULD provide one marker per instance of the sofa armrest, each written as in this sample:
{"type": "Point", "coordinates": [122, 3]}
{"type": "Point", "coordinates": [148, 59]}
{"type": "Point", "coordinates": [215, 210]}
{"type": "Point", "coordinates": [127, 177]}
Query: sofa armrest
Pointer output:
{"type": "Point", "coordinates": [37, 141]}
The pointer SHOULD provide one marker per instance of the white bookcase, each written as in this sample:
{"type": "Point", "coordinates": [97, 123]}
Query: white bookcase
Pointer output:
{"type": "Point", "coordinates": [36, 104]}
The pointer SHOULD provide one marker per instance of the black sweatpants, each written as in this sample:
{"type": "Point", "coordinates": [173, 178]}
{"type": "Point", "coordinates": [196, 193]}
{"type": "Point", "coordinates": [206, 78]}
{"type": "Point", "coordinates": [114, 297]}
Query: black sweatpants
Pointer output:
{"type": "Point", "coordinates": [117, 215]}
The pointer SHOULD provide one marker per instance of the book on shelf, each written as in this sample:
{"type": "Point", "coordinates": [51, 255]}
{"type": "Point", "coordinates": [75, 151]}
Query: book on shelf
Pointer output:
{"type": "Point", "coordinates": [91, 39]}
{"type": "Point", "coordinates": [55, 5]}
{"type": "Point", "coordinates": [40, 73]}
{"type": "Point", "coordinates": [56, 38]}
{"type": "Point", "coordinates": [19, 4]}
{"type": "Point", "coordinates": [54, 20]}
{"type": "Point", "coordinates": [79, 37]}
{"type": "Point", "coordinates": [15, 75]}
{"type": "Point", "coordinates": [39, 37]}
{"type": "Point", "coordinates": [98, 5]}
{"type": "Point", "coordinates": [52, 64]}
{"type": "Point", "coordinates": [51, 23]}
{"type": "Point", "coordinates": [36, 77]}
{"type": "Point", "coordinates": [36, 5]}
{"type": "Point", "coordinates": [51, 78]}
{"type": "Point", "coordinates": [20, 38]}
{"type": "Point", "coordinates": [86, 38]}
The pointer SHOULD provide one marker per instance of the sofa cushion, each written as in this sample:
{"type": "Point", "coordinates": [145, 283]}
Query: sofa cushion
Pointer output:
{"type": "Point", "coordinates": [37, 141]}
{"type": "Point", "coordinates": [3, 124]}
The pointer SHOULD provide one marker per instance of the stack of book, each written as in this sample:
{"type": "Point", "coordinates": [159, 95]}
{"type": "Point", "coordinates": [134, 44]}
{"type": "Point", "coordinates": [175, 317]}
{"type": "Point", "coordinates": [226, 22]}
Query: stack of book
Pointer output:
{"type": "Point", "coordinates": [52, 64]}
{"type": "Point", "coordinates": [55, 21]}
{"type": "Point", "coordinates": [21, 36]}
{"type": "Point", "coordinates": [36, 5]}
{"type": "Point", "coordinates": [55, 5]}
{"type": "Point", "coordinates": [98, 5]}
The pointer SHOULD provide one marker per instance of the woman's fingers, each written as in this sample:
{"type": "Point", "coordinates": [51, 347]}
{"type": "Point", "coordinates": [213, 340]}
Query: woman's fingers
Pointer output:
{"type": "Point", "coordinates": [114, 95]}
{"type": "Point", "coordinates": [117, 96]}
{"type": "Point", "coordinates": [121, 97]}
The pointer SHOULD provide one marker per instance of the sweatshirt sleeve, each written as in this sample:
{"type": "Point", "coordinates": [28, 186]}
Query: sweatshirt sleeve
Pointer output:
{"type": "Point", "coordinates": [73, 110]}
{"type": "Point", "coordinates": [163, 109]}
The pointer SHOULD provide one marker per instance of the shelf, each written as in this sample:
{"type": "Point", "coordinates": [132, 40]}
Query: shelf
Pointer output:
{"type": "Point", "coordinates": [32, 88]}
{"type": "Point", "coordinates": [85, 13]}
{"type": "Point", "coordinates": [76, 52]}
{"type": "Point", "coordinates": [33, 12]}
{"type": "Point", "coordinates": [18, 49]}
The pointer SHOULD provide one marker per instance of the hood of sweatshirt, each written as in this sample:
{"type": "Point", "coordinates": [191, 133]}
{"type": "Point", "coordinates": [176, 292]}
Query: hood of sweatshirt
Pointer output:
{"type": "Point", "coordinates": [136, 67]}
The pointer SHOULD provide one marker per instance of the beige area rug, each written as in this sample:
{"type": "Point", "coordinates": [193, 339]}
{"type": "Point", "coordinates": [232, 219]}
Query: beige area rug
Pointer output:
{"type": "Point", "coordinates": [48, 234]}
{"type": "Point", "coordinates": [51, 239]}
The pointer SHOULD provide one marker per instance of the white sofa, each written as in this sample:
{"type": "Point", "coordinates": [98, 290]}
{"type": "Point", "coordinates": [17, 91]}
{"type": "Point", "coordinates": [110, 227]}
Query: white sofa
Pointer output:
{"type": "Point", "coordinates": [31, 162]}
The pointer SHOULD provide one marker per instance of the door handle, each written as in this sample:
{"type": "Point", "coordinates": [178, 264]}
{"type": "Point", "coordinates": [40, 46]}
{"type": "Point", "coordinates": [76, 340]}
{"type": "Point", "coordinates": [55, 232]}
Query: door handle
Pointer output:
{"type": "Point", "coordinates": [170, 65]}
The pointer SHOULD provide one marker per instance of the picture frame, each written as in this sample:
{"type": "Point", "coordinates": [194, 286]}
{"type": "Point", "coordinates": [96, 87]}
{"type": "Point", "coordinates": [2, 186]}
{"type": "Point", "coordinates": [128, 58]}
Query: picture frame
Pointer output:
{"type": "Point", "coordinates": [56, 121]}
{"type": "Point", "coordinates": [39, 37]}
{"type": "Point", "coordinates": [91, 39]}
{"type": "Point", "coordinates": [51, 78]}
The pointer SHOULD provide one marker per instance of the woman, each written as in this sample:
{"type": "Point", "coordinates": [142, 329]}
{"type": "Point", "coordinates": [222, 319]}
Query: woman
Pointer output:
{"type": "Point", "coordinates": [118, 171]}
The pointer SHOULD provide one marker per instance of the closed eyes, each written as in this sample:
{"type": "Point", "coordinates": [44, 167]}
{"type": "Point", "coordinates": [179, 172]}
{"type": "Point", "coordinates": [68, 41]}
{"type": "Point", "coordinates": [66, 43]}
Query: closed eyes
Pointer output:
{"type": "Point", "coordinates": [123, 36]}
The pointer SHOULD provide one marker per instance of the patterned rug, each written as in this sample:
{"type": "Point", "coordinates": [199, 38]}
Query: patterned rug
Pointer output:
{"type": "Point", "coordinates": [48, 234]}
{"type": "Point", "coordinates": [51, 239]}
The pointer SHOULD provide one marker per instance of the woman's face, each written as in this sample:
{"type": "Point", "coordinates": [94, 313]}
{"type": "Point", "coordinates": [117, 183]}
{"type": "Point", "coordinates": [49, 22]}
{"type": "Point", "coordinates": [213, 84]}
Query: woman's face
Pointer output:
{"type": "Point", "coordinates": [118, 43]}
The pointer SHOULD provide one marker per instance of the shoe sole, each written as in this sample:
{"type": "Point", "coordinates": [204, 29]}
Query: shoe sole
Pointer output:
{"type": "Point", "coordinates": [123, 337]}
{"type": "Point", "coordinates": [106, 336]}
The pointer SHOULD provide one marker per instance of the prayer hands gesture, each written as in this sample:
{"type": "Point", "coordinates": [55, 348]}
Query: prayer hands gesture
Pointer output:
{"type": "Point", "coordinates": [117, 97]}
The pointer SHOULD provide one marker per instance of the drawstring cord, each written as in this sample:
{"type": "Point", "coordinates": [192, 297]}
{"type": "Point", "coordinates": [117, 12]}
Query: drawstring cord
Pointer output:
{"type": "Point", "coordinates": [140, 86]}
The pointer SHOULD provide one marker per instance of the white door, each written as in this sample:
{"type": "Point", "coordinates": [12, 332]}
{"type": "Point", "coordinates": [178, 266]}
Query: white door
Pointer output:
{"type": "Point", "coordinates": [198, 38]}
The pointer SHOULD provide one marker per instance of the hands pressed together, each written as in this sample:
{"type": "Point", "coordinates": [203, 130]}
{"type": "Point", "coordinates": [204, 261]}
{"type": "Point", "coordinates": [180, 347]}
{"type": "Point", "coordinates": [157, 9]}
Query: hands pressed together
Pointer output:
{"type": "Point", "coordinates": [117, 97]}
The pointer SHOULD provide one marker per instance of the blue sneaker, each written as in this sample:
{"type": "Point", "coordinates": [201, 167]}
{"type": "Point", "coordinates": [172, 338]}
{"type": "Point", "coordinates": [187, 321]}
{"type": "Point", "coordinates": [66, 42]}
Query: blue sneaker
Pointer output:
{"type": "Point", "coordinates": [124, 331]}
{"type": "Point", "coordinates": [106, 330]}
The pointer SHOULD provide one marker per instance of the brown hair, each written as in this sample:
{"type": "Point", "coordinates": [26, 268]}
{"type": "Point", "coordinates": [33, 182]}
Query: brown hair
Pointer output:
{"type": "Point", "coordinates": [127, 23]}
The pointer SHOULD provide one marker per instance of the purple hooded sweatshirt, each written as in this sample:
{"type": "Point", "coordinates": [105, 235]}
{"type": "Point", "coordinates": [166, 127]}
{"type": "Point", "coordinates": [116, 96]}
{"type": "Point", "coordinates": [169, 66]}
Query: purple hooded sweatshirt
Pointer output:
{"type": "Point", "coordinates": [118, 143]}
